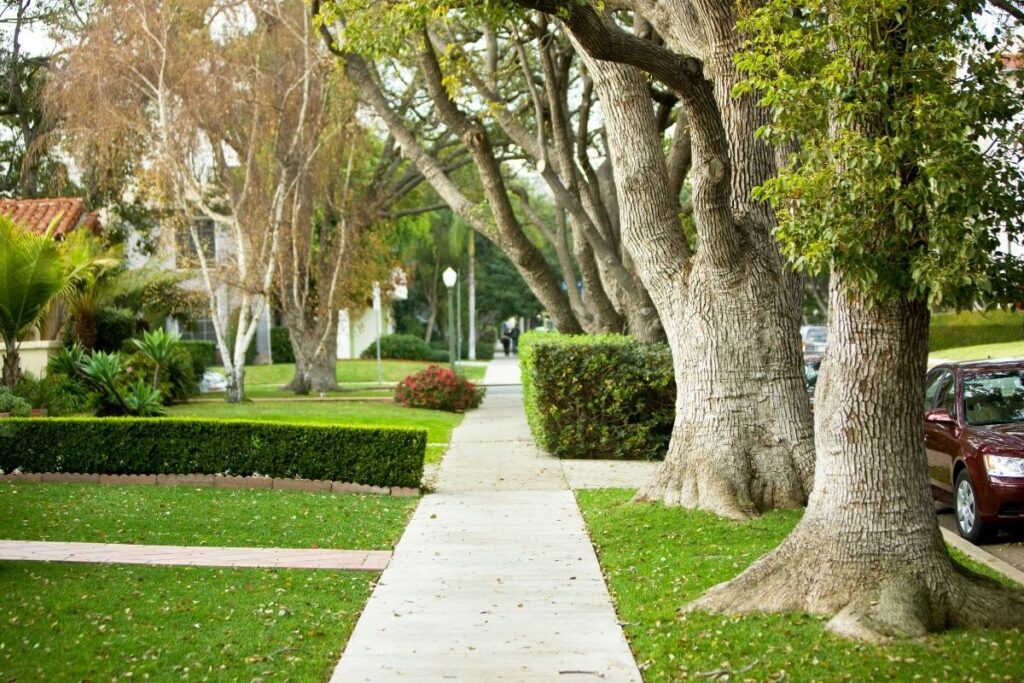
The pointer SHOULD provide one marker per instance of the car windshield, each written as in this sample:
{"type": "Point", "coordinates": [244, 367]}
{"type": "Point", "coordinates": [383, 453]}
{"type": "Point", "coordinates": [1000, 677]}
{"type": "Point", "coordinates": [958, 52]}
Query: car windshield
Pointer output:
{"type": "Point", "coordinates": [994, 398]}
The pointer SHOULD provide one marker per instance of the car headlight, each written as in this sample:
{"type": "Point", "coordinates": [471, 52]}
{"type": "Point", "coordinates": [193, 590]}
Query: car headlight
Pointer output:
{"type": "Point", "coordinates": [1004, 466]}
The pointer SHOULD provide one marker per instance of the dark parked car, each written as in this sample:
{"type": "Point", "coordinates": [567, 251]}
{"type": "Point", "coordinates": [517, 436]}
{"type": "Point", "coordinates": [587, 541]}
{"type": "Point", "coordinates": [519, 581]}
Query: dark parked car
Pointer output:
{"type": "Point", "coordinates": [974, 434]}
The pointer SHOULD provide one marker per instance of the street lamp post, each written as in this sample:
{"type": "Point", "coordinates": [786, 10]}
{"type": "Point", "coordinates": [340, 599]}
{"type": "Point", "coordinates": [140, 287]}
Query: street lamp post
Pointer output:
{"type": "Point", "coordinates": [450, 277]}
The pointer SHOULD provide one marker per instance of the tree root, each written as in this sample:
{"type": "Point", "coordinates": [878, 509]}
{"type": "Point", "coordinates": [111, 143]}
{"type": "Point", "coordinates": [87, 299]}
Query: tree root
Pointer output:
{"type": "Point", "coordinates": [870, 604]}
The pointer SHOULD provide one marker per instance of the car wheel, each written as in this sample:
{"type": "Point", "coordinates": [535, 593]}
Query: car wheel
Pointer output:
{"type": "Point", "coordinates": [968, 521]}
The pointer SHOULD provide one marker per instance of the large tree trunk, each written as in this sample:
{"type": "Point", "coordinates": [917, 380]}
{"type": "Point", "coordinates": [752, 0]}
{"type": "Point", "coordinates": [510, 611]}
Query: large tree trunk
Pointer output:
{"type": "Point", "coordinates": [868, 550]}
{"type": "Point", "coordinates": [315, 348]}
{"type": "Point", "coordinates": [742, 441]}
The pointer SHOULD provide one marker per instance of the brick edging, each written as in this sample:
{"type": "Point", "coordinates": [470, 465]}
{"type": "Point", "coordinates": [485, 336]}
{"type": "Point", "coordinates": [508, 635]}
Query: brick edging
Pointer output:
{"type": "Point", "coordinates": [220, 481]}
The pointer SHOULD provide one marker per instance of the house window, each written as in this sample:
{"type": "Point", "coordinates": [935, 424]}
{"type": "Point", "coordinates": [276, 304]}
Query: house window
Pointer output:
{"type": "Point", "coordinates": [185, 246]}
{"type": "Point", "coordinates": [200, 329]}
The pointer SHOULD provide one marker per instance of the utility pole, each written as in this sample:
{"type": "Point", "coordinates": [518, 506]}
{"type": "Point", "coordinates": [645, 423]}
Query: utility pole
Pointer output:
{"type": "Point", "coordinates": [472, 295]}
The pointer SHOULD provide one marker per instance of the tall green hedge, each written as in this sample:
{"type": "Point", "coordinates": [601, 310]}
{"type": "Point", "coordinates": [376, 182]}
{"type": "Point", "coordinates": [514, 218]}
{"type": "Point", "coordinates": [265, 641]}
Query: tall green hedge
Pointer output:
{"type": "Point", "coordinates": [598, 396]}
{"type": "Point", "coordinates": [281, 345]}
{"type": "Point", "coordinates": [363, 455]}
{"type": "Point", "coordinates": [971, 328]}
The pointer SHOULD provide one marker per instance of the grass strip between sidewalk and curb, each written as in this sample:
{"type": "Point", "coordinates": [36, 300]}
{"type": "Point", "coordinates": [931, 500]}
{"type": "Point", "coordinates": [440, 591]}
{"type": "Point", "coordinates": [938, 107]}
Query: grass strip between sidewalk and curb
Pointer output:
{"type": "Point", "coordinates": [118, 622]}
{"type": "Point", "coordinates": [656, 559]}
{"type": "Point", "coordinates": [156, 515]}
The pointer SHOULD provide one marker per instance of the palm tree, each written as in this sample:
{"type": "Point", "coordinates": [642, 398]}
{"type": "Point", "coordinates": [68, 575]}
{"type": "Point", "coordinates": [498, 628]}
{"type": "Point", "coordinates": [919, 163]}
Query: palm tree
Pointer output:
{"type": "Point", "coordinates": [32, 272]}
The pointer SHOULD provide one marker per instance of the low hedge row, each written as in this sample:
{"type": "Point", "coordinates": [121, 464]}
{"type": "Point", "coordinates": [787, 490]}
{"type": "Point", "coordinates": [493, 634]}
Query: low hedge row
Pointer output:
{"type": "Point", "coordinates": [363, 455]}
{"type": "Point", "coordinates": [399, 347]}
{"type": "Point", "coordinates": [971, 328]}
{"type": "Point", "coordinates": [598, 396]}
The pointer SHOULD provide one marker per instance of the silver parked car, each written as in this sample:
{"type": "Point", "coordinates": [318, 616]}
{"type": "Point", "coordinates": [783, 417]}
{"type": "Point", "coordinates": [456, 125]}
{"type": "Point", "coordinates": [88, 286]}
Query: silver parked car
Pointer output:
{"type": "Point", "coordinates": [814, 338]}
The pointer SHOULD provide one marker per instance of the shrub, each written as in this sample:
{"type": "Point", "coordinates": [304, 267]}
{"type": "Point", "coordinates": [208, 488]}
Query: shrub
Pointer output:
{"type": "Point", "coordinates": [113, 392]}
{"type": "Point", "coordinates": [15, 405]}
{"type": "Point", "coordinates": [439, 356]}
{"type": "Point", "coordinates": [438, 388]}
{"type": "Point", "coordinates": [399, 347]}
{"type": "Point", "coordinates": [53, 392]}
{"type": "Point", "coordinates": [377, 456]}
{"type": "Point", "coordinates": [971, 328]}
{"type": "Point", "coordinates": [114, 326]}
{"type": "Point", "coordinates": [203, 353]}
{"type": "Point", "coordinates": [598, 396]}
{"type": "Point", "coordinates": [178, 382]}
{"type": "Point", "coordinates": [484, 349]}
{"type": "Point", "coordinates": [281, 345]}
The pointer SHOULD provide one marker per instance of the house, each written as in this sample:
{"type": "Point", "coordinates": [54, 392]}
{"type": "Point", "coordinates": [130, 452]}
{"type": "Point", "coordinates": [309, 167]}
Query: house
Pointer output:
{"type": "Point", "coordinates": [59, 215]}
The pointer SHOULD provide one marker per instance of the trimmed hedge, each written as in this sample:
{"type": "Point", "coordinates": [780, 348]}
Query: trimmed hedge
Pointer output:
{"type": "Point", "coordinates": [598, 396]}
{"type": "Point", "coordinates": [484, 350]}
{"type": "Point", "coordinates": [971, 328]}
{"type": "Point", "coordinates": [363, 455]}
{"type": "Point", "coordinates": [281, 345]}
{"type": "Point", "coordinates": [399, 347]}
{"type": "Point", "coordinates": [204, 355]}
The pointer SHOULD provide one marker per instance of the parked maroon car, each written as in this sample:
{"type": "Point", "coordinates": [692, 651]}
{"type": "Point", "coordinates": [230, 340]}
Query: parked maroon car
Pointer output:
{"type": "Point", "coordinates": [974, 434]}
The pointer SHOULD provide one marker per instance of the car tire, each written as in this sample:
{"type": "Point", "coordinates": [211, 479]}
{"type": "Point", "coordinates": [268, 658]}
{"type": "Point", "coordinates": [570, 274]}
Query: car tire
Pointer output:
{"type": "Point", "coordinates": [965, 506]}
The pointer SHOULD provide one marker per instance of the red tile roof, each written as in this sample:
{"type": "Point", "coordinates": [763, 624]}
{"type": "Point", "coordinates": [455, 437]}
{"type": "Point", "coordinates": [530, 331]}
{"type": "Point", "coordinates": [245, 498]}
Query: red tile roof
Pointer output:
{"type": "Point", "coordinates": [36, 215]}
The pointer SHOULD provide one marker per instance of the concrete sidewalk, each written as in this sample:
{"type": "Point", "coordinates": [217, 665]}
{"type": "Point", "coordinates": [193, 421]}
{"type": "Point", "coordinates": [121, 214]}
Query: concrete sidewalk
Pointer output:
{"type": "Point", "coordinates": [495, 577]}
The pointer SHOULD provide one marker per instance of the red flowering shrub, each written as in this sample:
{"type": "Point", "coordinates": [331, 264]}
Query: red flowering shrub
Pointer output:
{"type": "Point", "coordinates": [438, 388]}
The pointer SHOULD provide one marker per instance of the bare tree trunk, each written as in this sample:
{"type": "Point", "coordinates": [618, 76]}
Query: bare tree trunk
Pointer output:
{"type": "Point", "coordinates": [12, 363]}
{"type": "Point", "coordinates": [235, 392]}
{"type": "Point", "coordinates": [299, 382]}
{"type": "Point", "coordinates": [315, 348]}
{"type": "Point", "coordinates": [868, 550]}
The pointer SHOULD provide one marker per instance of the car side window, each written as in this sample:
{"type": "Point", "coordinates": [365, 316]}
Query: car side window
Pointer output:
{"type": "Point", "coordinates": [947, 394]}
{"type": "Point", "coordinates": [932, 384]}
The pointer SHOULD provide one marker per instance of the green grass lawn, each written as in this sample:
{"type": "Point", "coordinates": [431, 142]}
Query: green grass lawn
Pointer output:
{"type": "Point", "coordinates": [276, 392]}
{"type": "Point", "coordinates": [656, 559]}
{"type": "Point", "coordinates": [439, 424]}
{"type": "Point", "coordinates": [350, 371]}
{"type": "Point", "coordinates": [91, 622]}
{"type": "Point", "coordinates": [983, 351]}
{"type": "Point", "coordinates": [177, 515]}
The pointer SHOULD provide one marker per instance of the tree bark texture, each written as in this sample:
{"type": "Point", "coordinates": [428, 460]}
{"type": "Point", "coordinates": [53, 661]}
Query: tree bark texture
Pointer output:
{"type": "Point", "coordinates": [315, 349]}
{"type": "Point", "coordinates": [12, 363]}
{"type": "Point", "coordinates": [868, 549]}
{"type": "Point", "coordinates": [742, 442]}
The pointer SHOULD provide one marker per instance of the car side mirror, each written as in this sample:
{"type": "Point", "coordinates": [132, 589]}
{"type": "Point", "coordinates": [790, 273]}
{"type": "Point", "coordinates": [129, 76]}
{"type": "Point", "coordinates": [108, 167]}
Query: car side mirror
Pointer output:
{"type": "Point", "coordinates": [939, 416]}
